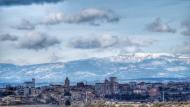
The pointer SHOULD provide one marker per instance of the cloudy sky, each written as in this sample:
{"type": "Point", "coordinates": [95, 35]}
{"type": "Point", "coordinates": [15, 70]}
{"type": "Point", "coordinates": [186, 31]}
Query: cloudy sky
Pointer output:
{"type": "Point", "coordinates": [47, 31]}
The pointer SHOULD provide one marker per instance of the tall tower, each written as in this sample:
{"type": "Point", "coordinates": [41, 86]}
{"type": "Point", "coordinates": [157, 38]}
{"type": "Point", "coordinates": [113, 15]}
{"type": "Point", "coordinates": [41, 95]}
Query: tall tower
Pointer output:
{"type": "Point", "coordinates": [33, 81]}
{"type": "Point", "coordinates": [114, 85]}
{"type": "Point", "coordinates": [107, 87]}
{"type": "Point", "coordinates": [67, 82]}
{"type": "Point", "coordinates": [67, 94]}
{"type": "Point", "coordinates": [67, 85]}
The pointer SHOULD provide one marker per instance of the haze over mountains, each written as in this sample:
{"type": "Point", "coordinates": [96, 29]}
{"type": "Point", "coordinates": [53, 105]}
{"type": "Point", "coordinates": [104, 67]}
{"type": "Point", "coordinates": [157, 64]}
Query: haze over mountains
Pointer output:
{"type": "Point", "coordinates": [125, 67]}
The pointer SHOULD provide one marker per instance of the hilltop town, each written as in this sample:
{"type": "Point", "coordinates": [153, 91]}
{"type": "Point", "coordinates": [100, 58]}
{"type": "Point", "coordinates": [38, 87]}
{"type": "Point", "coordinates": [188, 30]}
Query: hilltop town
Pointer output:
{"type": "Point", "coordinates": [109, 92]}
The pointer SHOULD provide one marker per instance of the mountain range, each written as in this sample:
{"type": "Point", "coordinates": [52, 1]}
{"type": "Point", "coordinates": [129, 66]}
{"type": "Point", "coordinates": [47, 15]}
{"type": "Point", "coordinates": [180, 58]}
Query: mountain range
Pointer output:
{"type": "Point", "coordinates": [138, 66]}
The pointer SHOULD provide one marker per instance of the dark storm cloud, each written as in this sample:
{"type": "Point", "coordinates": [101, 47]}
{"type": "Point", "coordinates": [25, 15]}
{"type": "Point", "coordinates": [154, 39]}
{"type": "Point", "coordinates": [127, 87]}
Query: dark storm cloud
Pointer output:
{"type": "Point", "coordinates": [186, 26]}
{"type": "Point", "coordinates": [92, 16]}
{"type": "Point", "coordinates": [37, 41]}
{"type": "Point", "coordinates": [159, 26]}
{"type": "Point", "coordinates": [7, 37]}
{"type": "Point", "coordinates": [26, 2]}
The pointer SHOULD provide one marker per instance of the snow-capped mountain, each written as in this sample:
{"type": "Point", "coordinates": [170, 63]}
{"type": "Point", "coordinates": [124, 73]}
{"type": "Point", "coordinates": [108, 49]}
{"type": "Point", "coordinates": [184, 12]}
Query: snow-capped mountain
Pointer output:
{"type": "Point", "coordinates": [129, 66]}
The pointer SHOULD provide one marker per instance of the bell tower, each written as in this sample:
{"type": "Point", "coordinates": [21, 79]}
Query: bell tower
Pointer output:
{"type": "Point", "coordinates": [67, 94]}
{"type": "Point", "coordinates": [67, 85]}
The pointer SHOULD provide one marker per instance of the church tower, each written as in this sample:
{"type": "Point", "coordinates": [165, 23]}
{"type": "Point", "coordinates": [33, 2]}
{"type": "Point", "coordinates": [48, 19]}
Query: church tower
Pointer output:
{"type": "Point", "coordinates": [67, 85]}
{"type": "Point", "coordinates": [67, 94]}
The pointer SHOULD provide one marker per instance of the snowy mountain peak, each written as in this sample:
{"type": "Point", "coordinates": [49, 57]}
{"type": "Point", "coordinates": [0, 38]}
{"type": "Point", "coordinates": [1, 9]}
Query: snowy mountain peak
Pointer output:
{"type": "Point", "coordinates": [128, 66]}
{"type": "Point", "coordinates": [137, 57]}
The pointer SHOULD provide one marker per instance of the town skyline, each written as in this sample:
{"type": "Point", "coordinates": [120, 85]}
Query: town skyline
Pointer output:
{"type": "Point", "coordinates": [108, 92]}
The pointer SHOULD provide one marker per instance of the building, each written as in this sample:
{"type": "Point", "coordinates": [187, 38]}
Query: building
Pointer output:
{"type": "Point", "coordinates": [67, 95]}
{"type": "Point", "coordinates": [140, 91]}
{"type": "Point", "coordinates": [114, 85]}
{"type": "Point", "coordinates": [67, 85]}
{"type": "Point", "coordinates": [109, 87]}
{"type": "Point", "coordinates": [100, 89]}
{"type": "Point", "coordinates": [29, 88]}
{"type": "Point", "coordinates": [80, 85]}
{"type": "Point", "coordinates": [154, 92]}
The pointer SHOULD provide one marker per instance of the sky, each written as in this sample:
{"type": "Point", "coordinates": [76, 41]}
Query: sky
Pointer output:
{"type": "Point", "coordinates": [48, 31]}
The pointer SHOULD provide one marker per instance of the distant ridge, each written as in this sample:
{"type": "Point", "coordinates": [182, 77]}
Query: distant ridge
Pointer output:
{"type": "Point", "coordinates": [145, 66]}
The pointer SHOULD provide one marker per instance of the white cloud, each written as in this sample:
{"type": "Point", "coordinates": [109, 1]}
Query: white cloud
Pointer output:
{"type": "Point", "coordinates": [91, 16]}
{"type": "Point", "coordinates": [106, 41]}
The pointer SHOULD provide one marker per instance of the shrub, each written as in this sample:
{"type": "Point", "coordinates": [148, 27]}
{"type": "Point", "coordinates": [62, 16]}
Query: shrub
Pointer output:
{"type": "Point", "coordinates": [143, 105]}
{"type": "Point", "coordinates": [129, 106]}
{"type": "Point", "coordinates": [157, 105]}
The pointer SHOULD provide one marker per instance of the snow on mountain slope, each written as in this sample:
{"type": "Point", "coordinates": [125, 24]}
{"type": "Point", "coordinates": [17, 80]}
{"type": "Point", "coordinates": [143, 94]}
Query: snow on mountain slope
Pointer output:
{"type": "Point", "coordinates": [129, 66]}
